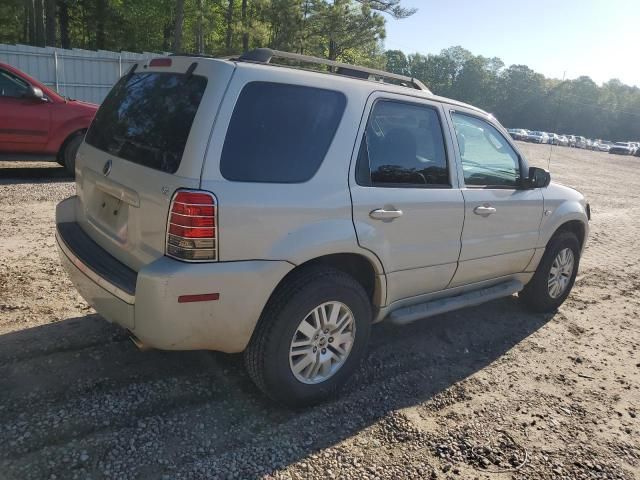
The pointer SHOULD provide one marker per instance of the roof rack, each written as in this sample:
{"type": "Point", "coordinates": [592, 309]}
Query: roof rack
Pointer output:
{"type": "Point", "coordinates": [265, 55]}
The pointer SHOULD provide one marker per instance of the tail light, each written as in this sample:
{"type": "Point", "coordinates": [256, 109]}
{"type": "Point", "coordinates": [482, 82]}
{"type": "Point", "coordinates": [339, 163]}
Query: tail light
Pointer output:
{"type": "Point", "coordinates": [192, 226]}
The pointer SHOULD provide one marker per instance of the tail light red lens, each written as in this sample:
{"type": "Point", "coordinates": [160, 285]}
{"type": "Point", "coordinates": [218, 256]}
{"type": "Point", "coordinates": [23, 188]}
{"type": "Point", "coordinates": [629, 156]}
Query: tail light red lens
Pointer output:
{"type": "Point", "coordinates": [192, 226]}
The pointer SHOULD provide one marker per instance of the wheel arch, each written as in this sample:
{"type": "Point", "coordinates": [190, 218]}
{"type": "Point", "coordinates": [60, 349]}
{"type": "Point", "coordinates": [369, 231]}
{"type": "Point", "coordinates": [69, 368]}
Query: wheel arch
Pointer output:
{"type": "Point", "coordinates": [577, 227]}
{"type": "Point", "coordinates": [358, 266]}
{"type": "Point", "coordinates": [79, 131]}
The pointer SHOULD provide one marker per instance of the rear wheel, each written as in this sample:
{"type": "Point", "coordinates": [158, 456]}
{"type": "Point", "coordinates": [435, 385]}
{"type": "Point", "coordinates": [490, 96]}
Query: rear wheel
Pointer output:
{"type": "Point", "coordinates": [311, 337]}
{"type": "Point", "coordinates": [555, 275]}
{"type": "Point", "coordinates": [68, 155]}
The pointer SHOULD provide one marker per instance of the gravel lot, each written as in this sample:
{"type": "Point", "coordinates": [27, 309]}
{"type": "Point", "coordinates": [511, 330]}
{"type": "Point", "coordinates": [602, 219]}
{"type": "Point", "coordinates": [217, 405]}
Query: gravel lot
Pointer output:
{"type": "Point", "coordinates": [463, 395]}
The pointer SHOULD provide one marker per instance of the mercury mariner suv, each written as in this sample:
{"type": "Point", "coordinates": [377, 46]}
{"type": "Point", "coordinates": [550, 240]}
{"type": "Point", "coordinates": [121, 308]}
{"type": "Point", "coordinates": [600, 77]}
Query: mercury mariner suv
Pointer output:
{"type": "Point", "coordinates": [242, 205]}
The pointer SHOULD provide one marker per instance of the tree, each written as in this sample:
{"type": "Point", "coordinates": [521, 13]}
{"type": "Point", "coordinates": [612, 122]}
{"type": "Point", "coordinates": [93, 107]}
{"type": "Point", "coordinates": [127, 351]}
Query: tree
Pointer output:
{"type": "Point", "coordinates": [51, 22]}
{"type": "Point", "coordinates": [63, 20]}
{"type": "Point", "coordinates": [38, 18]}
{"type": "Point", "coordinates": [229, 35]}
{"type": "Point", "coordinates": [101, 14]}
{"type": "Point", "coordinates": [396, 62]}
{"type": "Point", "coordinates": [345, 27]}
{"type": "Point", "coordinates": [177, 39]}
{"type": "Point", "coordinates": [391, 7]}
{"type": "Point", "coordinates": [245, 28]}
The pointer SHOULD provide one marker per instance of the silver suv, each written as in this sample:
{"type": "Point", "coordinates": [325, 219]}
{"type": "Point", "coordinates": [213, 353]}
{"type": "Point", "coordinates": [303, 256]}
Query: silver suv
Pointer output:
{"type": "Point", "coordinates": [242, 206]}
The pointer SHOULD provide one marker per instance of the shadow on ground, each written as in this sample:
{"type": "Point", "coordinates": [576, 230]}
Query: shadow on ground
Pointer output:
{"type": "Point", "coordinates": [79, 384]}
{"type": "Point", "coordinates": [41, 172]}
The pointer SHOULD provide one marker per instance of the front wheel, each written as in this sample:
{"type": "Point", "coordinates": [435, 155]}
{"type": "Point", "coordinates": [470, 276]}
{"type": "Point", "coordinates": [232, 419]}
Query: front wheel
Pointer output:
{"type": "Point", "coordinates": [555, 275]}
{"type": "Point", "coordinates": [311, 337]}
{"type": "Point", "coordinates": [69, 152]}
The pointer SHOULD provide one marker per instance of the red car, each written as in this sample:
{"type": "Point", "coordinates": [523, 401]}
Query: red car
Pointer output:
{"type": "Point", "coordinates": [36, 123]}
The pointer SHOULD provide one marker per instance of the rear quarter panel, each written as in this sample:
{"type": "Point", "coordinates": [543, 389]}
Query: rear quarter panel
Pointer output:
{"type": "Point", "coordinates": [293, 222]}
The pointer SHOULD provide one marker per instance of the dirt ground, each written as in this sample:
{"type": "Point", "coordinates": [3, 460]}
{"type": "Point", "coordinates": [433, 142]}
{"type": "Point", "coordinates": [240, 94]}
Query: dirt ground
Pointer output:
{"type": "Point", "coordinates": [462, 395]}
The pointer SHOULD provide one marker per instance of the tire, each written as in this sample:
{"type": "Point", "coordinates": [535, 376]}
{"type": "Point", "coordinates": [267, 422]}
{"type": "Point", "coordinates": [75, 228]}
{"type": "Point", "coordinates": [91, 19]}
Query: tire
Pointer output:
{"type": "Point", "coordinates": [68, 154]}
{"type": "Point", "coordinates": [267, 358]}
{"type": "Point", "coordinates": [537, 294]}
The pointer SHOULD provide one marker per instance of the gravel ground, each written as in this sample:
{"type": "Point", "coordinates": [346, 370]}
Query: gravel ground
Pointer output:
{"type": "Point", "coordinates": [468, 394]}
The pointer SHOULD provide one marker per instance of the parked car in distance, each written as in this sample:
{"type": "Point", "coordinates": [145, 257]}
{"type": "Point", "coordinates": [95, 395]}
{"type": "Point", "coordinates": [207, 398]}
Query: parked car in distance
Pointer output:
{"type": "Point", "coordinates": [538, 137]}
{"type": "Point", "coordinates": [320, 236]}
{"type": "Point", "coordinates": [621, 148]}
{"type": "Point", "coordinates": [563, 141]}
{"type": "Point", "coordinates": [601, 146]}
{"type": "Point", "coordinates": [572, 140]}
{"type": "Point", "coordinates": [581, 142]}
{"type": "Point", "coordinates": [518, 133]}
{"type": "Point", "coordinates": [36, 123]}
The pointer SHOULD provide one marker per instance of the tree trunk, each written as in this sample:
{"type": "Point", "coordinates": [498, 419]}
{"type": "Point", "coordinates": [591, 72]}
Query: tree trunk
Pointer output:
{"type": "Point", "coordinates": [199, 33]}
{"type": "Point", "coordinates": [51, 22]}
{"type": "Point", "coordinates": [245, 27]}
{"type": "Point", "coordinates": [177, 40]}
{"type": "Point", "coordinates": [333, 49]}
{"type": "Point", "coordinates": [28, 22]}
{"type": "Point", "coordinates": [101, 13]}
{"type": "Point", "coordinates": [167, 33]}
{"type": "Point", "coordinates": [229, 26]}
{"type": "Point", "coordinates": [38, 15]}
{"type": "Point", "coordinates": [63, 19]}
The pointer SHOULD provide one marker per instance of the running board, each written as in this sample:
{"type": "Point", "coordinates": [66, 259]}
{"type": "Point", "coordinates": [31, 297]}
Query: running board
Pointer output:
{"type": "Point", "coordinates": [412, 313]}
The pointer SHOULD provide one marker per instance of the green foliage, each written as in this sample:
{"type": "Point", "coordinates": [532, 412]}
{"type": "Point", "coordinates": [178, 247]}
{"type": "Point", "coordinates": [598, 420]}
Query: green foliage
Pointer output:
{"type": "Point", "coordinates": [351, 31]}
{"type": "Point", "coordinates": [520, 97]}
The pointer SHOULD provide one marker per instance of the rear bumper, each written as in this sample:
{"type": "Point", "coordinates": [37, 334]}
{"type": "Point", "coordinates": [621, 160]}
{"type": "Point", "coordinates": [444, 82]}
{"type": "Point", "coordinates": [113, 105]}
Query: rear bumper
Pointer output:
{"type": "Point", "coordinates": [146, 302]}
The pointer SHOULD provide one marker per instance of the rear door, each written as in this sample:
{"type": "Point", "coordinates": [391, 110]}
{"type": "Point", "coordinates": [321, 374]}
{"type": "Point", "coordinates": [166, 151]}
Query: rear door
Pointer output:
{"type": "Point", "coordinates": [407, 207]}
{"type": "Point", "coordinates": [147, 140]}
{"type": "Point", "coordinates": [24, 121]}
{"type": "Point", "coordinates": [502, 221]}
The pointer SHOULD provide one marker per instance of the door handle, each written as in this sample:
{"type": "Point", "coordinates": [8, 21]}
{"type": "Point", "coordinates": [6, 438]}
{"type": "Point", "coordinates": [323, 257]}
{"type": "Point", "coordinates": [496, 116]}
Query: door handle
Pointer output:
{"type": "Point", "coordinates": [382, 214]}
{"type": "Point", "coordinates": [484, 210]}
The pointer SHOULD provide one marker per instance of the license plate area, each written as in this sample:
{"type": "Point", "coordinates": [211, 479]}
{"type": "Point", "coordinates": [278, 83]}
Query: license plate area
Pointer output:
{"type": "Point", "coordinates": [110, 215]}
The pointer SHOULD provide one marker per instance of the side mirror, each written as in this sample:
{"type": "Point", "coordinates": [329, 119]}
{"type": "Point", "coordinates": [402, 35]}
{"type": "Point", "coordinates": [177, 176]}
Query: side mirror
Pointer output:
{"type": "Point", "coordinates": [35, 93]}
{"type": "Point", "coordinates": [538, 178]}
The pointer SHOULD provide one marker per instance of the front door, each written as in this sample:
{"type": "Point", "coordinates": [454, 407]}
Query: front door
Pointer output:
{"type": "Point", "coordinates": [24, 121]}
{"type": "Point", "coordinates": [502, 220]}
{"type": "Point", "coordinates": [407, 207]}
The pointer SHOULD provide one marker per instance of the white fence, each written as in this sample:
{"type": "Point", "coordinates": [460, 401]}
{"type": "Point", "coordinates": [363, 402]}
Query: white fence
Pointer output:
{"type": "Point", "coordinates": [81, 74]}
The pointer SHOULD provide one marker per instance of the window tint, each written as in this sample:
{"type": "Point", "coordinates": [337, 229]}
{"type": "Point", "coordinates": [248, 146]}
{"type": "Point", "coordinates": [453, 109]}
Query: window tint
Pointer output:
{"type": "Point", "coordinates": [403, 145]}
{"type": "Point", "coordinates": [12, 86]}
{"type": "Point", "coordinates": [146, 118]}
{"type": "Point", "coordinates": [280, 133]}
{"type": "Point", "coordinates": [487, 158]}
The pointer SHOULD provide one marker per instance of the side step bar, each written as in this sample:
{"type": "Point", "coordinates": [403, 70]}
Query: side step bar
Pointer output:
{"type": "Point", "coordinates": [412, 313]}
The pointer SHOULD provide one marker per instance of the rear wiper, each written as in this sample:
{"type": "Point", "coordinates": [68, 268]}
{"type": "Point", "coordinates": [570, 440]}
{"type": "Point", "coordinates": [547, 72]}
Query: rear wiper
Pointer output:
{"type": "Point", "coordinates": [131, 71]}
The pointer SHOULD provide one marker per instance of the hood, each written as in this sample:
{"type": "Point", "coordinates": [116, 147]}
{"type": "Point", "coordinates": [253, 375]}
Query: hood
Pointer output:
{"type": "Point", "coordinates": [84, 107]}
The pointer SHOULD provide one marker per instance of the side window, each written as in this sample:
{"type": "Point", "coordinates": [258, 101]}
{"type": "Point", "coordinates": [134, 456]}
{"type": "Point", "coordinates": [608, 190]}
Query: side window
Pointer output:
{"type": "Point", "coordinates": [402, 146]}
{"type": "Point", "coordinates": [12, 86]}
{"type": "Point", "coordinates": [280, 133]}
{"type": "Point", "coordinates": [487, 158]}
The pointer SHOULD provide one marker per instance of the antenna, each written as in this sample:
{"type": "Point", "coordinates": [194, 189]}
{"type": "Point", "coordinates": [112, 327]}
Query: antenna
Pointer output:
{"type": "Point", "coordinates": [555, 122]}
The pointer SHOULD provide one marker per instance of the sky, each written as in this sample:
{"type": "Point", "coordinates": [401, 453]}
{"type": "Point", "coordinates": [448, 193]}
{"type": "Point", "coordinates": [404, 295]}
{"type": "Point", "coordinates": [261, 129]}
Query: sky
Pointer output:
{"type": "Point", "coordinates": [597, 38]}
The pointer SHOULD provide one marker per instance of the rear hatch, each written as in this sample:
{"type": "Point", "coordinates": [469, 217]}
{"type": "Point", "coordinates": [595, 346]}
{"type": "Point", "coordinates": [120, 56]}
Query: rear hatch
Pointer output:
{"type": "Point", "coordinates": [148, 139]}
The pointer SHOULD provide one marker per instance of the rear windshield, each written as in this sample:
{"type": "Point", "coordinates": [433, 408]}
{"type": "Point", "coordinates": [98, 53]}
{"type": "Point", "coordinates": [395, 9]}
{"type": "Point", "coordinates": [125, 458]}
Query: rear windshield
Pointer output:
{"type": "Point", "coordinates": [146, 118]}
{"type": "Point", "coordinates": [280, 133]}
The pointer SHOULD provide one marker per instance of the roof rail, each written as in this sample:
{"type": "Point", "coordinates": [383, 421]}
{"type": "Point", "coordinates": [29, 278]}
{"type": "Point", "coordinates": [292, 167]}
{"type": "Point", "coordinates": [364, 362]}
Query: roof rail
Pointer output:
{"type": "Point", "coordinates": [265, 55]}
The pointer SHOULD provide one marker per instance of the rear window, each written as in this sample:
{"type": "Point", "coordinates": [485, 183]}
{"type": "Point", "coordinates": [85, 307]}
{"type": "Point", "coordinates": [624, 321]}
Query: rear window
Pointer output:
{"type": "Point", "coordinates": [146, 118]}
{"type": "Point", "coordinates": [280, 133]}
